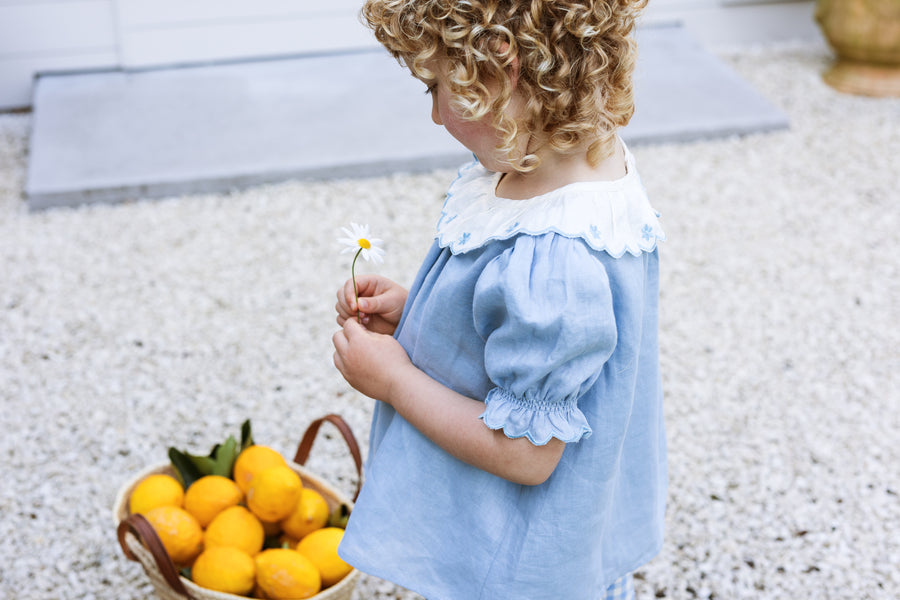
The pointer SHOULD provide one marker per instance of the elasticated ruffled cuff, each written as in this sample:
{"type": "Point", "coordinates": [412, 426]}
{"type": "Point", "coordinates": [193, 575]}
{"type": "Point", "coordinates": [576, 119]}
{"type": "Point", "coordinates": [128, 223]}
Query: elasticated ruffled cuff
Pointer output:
{"type": "Point", "coordinates": [536, 420]}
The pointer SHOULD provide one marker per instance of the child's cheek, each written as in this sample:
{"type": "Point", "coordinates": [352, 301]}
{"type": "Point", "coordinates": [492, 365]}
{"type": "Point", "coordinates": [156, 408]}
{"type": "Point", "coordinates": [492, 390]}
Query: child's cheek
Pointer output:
{"type": "Point", "coordinates": [478, 136]}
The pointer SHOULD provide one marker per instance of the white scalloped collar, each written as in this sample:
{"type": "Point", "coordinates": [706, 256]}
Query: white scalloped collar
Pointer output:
{"type": "Point", "coordinates": [611, 216]}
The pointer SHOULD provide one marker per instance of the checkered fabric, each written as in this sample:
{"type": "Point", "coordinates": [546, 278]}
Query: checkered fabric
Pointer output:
{"type": "Point", "coordinates": [622, 589]}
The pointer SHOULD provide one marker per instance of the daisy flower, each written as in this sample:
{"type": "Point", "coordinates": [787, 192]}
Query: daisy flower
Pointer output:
{"type": "Point", "coordinates": [358, 241]}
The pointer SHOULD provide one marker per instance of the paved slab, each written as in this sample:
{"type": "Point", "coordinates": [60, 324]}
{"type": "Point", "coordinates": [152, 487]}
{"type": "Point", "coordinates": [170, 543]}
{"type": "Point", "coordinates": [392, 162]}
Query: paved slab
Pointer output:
{"type": "Point", "coordinates": [115, 136]}
{"type": "Point", "coordinates": [684, 93]}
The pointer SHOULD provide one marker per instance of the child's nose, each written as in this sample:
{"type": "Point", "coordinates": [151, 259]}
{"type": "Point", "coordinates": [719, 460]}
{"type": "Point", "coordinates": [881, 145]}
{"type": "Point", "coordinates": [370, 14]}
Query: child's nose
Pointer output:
{"type": "Point", "coordinates": [435, 112]}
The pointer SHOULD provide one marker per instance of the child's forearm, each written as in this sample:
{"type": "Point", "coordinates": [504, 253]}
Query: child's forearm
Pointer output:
{"type": "Point", "coordinates": [451, 421]}
{"type": "Point", "coordinates": [378, 366]}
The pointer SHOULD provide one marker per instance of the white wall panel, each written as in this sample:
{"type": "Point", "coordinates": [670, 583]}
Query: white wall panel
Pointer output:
{"type": "Point", "coordinates": [172, 32]}
{"type": "Point", "coordinates": [738, 22]}
{"type": "Point", "coordinates": [141, 13]}
{"type": "Point", "coordinates": [231, 41]}
{"type": "Point", "coordinates": [40, 27]}
{"type": "Point", "coordinates": [51, 35]}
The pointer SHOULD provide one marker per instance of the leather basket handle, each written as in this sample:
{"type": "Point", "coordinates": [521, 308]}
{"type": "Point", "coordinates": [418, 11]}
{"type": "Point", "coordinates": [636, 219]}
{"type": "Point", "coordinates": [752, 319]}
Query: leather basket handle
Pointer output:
{"type": "Point", "coordinates": [306, 444]}
{"type": "Point", "coordinates": [141, 527]}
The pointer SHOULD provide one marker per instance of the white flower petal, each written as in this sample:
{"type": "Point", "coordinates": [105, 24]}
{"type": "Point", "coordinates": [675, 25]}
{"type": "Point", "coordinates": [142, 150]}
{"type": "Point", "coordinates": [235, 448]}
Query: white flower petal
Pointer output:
{"type": "Point", "coordinates": [359, 231]}
{"type": "Point", "coordinates": [354, 235]}
{"type": "Point", "coordinates": [373, 253]}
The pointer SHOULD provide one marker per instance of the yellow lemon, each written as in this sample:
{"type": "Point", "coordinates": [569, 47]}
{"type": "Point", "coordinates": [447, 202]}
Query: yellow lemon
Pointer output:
{"type": "Point", "coordinates": [273, 493]}
{"type": "Point", "coordinates": [251, 461]}
{"type": "Point", "coordinates": [238, 528]}
{"type": "Point", "coordinates": [210, 495]}
{"type": "Point", "coordinates": [225, 569]}
{"type": "Point", "coordinates": [320, 547]}
{"type": "Point", "coordinates": [178, 531]}
{"type": "Point", "coordinates": [155, 490]}
{"type": "Point", "coordinates": [282, 573]}
{"type": "Point", "coordinates": [311, 513]}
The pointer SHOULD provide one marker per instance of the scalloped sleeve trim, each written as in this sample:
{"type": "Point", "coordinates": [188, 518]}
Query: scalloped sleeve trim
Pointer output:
{"type": "Point", "coordinates": [534, 419]}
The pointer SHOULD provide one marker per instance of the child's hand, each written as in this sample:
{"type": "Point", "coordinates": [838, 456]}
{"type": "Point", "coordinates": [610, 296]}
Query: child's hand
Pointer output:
{"type": "Point", "coordinates": [381, 303]}
{"type": "Point", "coordinates": [370, 362]}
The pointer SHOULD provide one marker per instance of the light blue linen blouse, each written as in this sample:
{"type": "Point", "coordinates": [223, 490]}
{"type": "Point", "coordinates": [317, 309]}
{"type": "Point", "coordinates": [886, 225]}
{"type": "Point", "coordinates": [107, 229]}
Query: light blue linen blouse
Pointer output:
{"type": "Point", "coordinates": [546, 309]}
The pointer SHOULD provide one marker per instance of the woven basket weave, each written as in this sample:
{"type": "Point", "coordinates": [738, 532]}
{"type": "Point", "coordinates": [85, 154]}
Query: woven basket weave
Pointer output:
{"type": "Point", "coordinates": [140, 543]}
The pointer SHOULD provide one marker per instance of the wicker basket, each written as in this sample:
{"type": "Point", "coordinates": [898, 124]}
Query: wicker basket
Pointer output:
{"type": "Point", "coordinates": [140, 543]}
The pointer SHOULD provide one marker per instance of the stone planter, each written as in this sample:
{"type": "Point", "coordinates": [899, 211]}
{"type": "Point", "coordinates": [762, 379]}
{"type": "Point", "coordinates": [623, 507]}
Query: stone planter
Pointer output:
{"type": "Point", "coordinates": [865, 35]}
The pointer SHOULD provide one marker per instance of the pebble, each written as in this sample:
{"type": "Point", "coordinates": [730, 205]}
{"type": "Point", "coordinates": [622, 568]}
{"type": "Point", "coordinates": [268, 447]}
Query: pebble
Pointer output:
{"type": "Point", "coordinates": [128, 329]}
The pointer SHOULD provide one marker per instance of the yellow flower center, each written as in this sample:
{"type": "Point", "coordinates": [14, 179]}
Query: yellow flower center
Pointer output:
{"type": "Point", "coordinates": [364, 243]}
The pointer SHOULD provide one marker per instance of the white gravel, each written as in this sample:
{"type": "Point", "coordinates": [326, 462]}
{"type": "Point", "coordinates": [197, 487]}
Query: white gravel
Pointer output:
{"type": "Point", "coordinates": [127, 329]}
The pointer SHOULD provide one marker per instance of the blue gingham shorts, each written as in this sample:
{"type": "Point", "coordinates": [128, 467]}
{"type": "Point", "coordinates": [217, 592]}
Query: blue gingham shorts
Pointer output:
{"type": "Point", "coordinates": [621, 589]}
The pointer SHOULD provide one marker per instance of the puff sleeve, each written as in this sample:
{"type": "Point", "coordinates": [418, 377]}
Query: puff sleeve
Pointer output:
{"type": "Point", "coordinates": [544, 309]}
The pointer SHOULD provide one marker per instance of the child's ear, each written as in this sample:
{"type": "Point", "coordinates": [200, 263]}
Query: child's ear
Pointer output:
{"type": "Point", "coordinates": [512, 69]}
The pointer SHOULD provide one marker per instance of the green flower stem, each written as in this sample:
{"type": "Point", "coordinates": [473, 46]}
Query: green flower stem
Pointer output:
{"type": "Point", "coordinates": [355, 291]}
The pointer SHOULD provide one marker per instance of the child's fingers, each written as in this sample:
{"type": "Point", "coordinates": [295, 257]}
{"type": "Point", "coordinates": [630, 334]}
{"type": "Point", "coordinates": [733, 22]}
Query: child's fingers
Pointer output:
{"type": "Point", "coordinates": [367, 288]}
{"type": "Point", "coordinates": [351, 328]}
{"type": "Point", "coordinates": [342, 314]}
{"type": "Point", "coordinates": [339, 339]}
{"type": "Point", "coordinates": [343, 307]}
{"type": "Point", "coordinates": [370, 286]}
{"type": "Point", "coordinates": [366, 284]}
{"type": "Point", "coordinates": [368, 305]}
{"type": "Point", "coordinates": [347, 307]}
{"type": "Point", "coordinates": [347, 297]}
{"type": "Point", "coordinates": [341, 319]}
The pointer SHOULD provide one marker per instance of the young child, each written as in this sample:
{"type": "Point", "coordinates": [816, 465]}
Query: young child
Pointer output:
{"type": "Point", "coordinates": [517, 448]}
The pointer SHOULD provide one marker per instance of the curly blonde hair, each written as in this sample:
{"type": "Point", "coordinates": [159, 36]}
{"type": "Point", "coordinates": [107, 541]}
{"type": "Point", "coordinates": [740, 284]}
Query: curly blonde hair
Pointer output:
{"type": "Point", "coordinates": [575, 64]}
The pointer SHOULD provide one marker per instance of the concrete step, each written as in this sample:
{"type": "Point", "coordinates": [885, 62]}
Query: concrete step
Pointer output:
{"type": "Point", "coordinates": [117, 136]}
